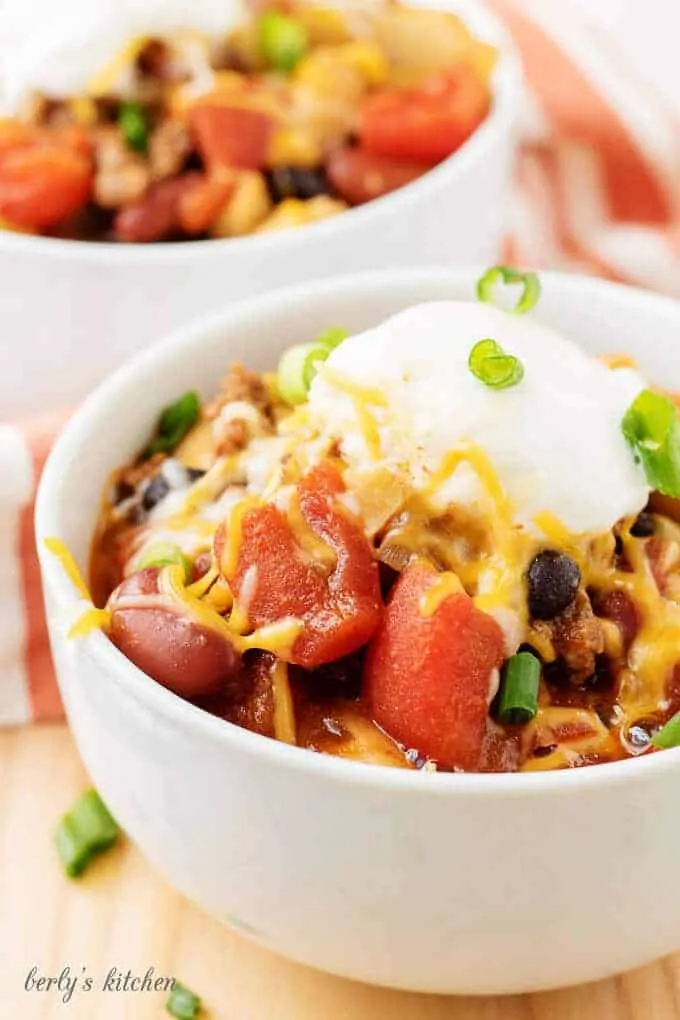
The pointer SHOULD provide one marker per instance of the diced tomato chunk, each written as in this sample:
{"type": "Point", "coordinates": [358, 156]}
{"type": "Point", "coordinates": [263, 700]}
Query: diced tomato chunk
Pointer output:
{"type": "Point", "coordinates": [231, 135]}
{"type": "Point", "coordinates": [338, 601]}
{"type": "Point", "coordinates": [427, 123]}
{"type": "Point", "coordinates": [428, 677]}
{"type": "Point", "coordinates": [42, 185]}
{"type": "Point", "coordinates": [360, 176]}
{"type": "Point", "coordinates": [200, 206]}
{"type": "Point", "coordinates": [14, 134]}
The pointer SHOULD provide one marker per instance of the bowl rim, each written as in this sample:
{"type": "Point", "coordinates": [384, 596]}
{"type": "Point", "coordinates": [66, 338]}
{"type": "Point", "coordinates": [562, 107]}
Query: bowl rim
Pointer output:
{"type": "Point", "coordinates": [502, 116]}
{"type": "Point", "coordinates": [135, 684]}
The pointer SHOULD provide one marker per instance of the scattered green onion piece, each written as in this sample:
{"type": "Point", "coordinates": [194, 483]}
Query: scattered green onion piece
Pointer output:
{"type": "Point", "coordinates": [165, 554]}
{"type": "Point", "coordinates": [297, 368]}
{"type": "Point", "coordinates": [84, 831]}
{"type": "Point", "coordinates": [651, 427]}
{"type": "Point", "coordinates": [489, 363]}
{"type": "Point", "coordinates": [283, 40]}
{"type": "Point", "coordinates": [332, 338]}
{"type": "Point", "coordinates": [669, 735]}
{"type": "Point", "coordinates": [182, 1003]}
{"type": "Point", "coordinates": [518, 698]}
{"type": "Point", "coordinates": [175, 421]}
{"type": "Point", "coordinates": [507, 274]}
{"type": "Point", "coordinates": [135, 127]}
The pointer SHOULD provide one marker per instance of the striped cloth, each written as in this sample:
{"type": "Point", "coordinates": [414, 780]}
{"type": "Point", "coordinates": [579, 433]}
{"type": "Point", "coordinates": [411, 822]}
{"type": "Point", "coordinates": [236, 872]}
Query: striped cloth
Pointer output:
{"type": "Point", "coordinates": [598, 191]}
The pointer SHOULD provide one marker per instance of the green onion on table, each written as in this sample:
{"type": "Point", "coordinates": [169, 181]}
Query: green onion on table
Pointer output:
{"type": "Point", "coordinates": [84, 832]}
{"type": "Point", "coordinates": [182, 1003]}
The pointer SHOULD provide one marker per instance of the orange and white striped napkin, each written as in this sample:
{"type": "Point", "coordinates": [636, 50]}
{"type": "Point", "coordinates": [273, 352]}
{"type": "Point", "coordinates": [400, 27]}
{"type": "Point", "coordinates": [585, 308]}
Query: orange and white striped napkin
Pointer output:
{"type": "Point", "coordinates": [597, 190]}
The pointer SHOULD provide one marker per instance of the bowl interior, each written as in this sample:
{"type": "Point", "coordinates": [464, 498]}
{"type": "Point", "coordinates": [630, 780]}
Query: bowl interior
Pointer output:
{"type": "Point", "coordinates": [115, 422]}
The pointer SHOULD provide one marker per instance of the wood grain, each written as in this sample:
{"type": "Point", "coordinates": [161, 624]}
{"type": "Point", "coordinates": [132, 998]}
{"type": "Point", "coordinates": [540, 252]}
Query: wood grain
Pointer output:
{"type": "Point", "coordinates": [123, 915]}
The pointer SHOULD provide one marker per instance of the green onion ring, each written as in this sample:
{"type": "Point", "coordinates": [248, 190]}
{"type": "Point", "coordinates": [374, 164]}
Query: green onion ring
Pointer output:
{"type": "Point", "coordinates": [668, 735]}
{"type": "Point", "coordinates": [509, 275]}
{"type": "Point", "coordinates": [651, 428]}
{"type": "Point", "coordinates": [489, 363]}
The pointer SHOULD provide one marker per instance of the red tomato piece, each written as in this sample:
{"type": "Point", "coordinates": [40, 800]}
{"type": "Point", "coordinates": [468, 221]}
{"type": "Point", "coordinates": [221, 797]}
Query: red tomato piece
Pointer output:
{"type": "Point", "coordinates": [427, 678]}
{"type": "Point", "coordinates": [428, 123]}
{"type": "Point", "coordinates": [156, 216]}
{"type": "Point", "coordinates": [359, 176]}
{"type": "Point", "coordinates": [231, 135]}
{"type": "Point", "coordinates": [40, 185]}
{"type": "Point", "coordinates": [200, 206]}
{"type": "Point", "coordinates": [340, 605]}
{"type": "Point", "coordinates": [14, 134]}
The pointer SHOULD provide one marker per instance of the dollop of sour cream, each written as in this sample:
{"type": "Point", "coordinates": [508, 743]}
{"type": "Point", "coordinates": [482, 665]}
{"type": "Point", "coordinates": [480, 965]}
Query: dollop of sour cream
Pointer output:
{"type": "Point", "coordinates": [59, 48]}
{"type": "Point", "coordinates": [554, 440]}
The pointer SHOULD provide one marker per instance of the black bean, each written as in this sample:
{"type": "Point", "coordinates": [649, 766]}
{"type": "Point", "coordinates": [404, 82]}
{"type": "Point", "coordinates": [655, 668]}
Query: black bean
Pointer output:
{"type": "Point", "coordinates": [644, 525]}
{"type": "Point", "coordinates": [554, 579]}
{"type": "Point", "coordinates": [297, 182]}
{"type": "Point", "coordinates": [156, 490]}
{"type": "Point", "coordinates": [194, 474]}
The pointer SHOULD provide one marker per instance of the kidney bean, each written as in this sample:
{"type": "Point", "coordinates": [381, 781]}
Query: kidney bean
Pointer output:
{"type": "Point", "coordinates": [619, 607]}
{"type": "Point", "coordinates": [159, 634]}
{"type": "Point", "coordinates": [155, 216]}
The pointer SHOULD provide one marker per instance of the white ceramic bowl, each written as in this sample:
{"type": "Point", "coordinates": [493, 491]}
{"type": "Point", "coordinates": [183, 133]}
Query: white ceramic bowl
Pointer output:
{"type": "Point", "coordinates": [446, 883]}
{"type": "Point", "coordinates": [73, 311]}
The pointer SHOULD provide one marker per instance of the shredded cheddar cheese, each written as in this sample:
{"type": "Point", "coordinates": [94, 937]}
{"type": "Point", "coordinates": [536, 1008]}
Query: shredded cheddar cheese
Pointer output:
{"type": "Point", "coordinates": [444, 585]}
{"type": "Point", "coordinates": [92, 619]}
{"type": "Point", "coordinates": [233, 527]}
{"type": "Point", "coordinates": [363, 398]}
{"type": "Point", "coordinates": [65, 557]}
{"type": "Point", "coordinates": [284, 711]}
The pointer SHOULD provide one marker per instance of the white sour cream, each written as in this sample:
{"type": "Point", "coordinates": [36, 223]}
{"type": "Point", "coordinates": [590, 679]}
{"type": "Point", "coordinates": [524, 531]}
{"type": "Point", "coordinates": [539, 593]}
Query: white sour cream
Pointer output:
{"type": "Point", "coordinates": [554, 440]}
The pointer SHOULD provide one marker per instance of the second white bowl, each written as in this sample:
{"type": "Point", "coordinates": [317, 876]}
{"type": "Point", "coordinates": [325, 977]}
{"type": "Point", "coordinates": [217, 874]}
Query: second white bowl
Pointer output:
{"type": "Point", "coordinates": [72, 311]}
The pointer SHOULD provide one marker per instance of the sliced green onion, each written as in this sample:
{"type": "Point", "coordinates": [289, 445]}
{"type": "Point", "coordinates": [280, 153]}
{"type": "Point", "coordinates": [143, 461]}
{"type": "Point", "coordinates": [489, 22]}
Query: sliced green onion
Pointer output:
{"type": "Point", "coordinates": [651, 427]}
{"type": "Point", "coordinates": [332, 338]}
{"type": "Point", "coordinates": [518, 698]}
{"type": "Point", "coordinates": [175, 421]}
{"type": "Point", "coordinates": [669, 735]}
{"type": "Point", "coordinates": [133, 122]}
{"type": "Point", "coordinates": [86, 830]}
{"type": "Point", "coordinates": [507, 274]}
{"type": "Point", "coordinates": [165, 554]}
{"type": "Point", "coordinates": [489, 363]}
{"type": "Point", "coordinates": [182, 1003]}
{"type": "Point", "coordinates": [283, 40]}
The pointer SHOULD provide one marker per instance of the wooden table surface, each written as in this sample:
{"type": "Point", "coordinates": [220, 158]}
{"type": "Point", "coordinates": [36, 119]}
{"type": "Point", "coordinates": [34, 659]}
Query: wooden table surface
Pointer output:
{"type": "Point", "coordinates": [123, 915]}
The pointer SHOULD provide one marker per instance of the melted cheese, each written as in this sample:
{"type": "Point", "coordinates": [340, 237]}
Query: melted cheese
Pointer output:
{"type": "Point", "coordinates": [362, 397]}
{"type": "Point", "coordinates": [307, 539]}
{"type": "Point", "coordinates": [63, 554]}
{"type": "Point", "coordinates": [91, 619]}
{"type": "Point", "coordinates": [284, 711]}
{"type": "Point", "coordinates": [234, 530]}
{"type": "Point", "coordinates": [444, 585]}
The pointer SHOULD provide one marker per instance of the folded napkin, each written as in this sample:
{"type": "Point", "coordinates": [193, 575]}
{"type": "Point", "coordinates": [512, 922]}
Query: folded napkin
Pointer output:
{"type": "Point", "coordinates": [597, 190]}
